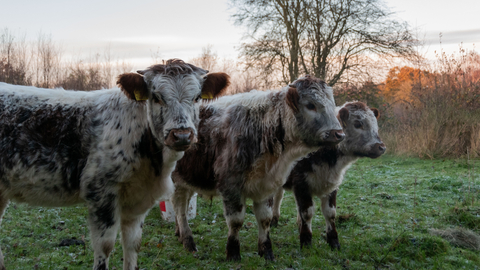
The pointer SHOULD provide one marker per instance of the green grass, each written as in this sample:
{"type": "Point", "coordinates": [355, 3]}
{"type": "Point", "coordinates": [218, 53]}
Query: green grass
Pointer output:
{"type": "Point", "coordinates": [387, 227]}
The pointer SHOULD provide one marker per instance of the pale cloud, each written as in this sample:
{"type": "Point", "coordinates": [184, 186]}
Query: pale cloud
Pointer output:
{"type": "Point", "coordinates": [454, 37]}
{"type": "Point", "coordinates": [151, 39]}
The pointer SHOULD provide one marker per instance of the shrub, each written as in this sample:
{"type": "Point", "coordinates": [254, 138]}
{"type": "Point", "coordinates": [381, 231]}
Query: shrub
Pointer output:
{"type": "Point", "coordinates": [440, 116]}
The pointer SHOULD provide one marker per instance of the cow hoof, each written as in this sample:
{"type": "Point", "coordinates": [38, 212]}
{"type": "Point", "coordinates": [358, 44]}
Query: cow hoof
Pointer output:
{"type": "Point", "coordinates": [189, 244]}
{"type": "Point", "coordinates": [268, 255]}
{"type": "Point", "coordinates": [305, 240]}
{"type": "Point", "coordinates": [265, 249]}
{"type": "Point", "coordinates": [274, 222]}
{"type": "Point", "coordinates": [332, 239]}
{"type": "Point", "coordinates": [334, 244]}
{"type": "Point", "coordinates": [305, 244]}
{"type": "Point", "coordinates": [234, 257]}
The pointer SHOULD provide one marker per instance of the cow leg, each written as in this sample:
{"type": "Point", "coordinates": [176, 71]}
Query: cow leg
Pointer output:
{"type": "Point", "coordinates": [3, 206]}
{"type": "Point", "coordinates": [103, 219]}
{"type": "Point", "coordinates": [277, 202]}
{"type": "Point", "coordinates": [234, 207]}
{"type": "Point", "coordinates": [263, 213]}
{"type": "Point", "coordinates": [131, 240]}
{"type": "Point", "coordinates": [329, 204]}
{"type": "Point", "coordinates": [177, 229]}
{"type": "Point", "coordinates": [305, 212]}
{"type": "Point", "coordinates": [180, 200]}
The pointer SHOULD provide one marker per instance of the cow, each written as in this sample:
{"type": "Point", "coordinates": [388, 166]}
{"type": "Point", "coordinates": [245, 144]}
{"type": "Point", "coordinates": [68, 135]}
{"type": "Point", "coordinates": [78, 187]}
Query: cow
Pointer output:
{"type": "Point", "coordinates": [322, 172]}
{"type": "Point", "coordinates": [247, 145]}
{"type": "Point", "coordinates": [112, 149]}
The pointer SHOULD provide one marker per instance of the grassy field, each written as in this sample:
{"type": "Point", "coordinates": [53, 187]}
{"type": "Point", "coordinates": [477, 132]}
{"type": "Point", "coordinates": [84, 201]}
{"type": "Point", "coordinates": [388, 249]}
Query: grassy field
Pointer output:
{"type": "Point", "coordinates": [386, 210]}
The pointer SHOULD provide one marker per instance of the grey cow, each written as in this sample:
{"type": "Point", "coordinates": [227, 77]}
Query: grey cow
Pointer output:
{"type": "Point", "coordinates": [322, 172]}
{"type": "Point", "coordinates": [111, 149]}
{"type": "Point", "coordinates": [248, 143]}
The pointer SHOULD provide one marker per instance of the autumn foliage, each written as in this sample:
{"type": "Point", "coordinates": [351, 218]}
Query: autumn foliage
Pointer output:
{"type": "Point", "coordinates": [430, 112]}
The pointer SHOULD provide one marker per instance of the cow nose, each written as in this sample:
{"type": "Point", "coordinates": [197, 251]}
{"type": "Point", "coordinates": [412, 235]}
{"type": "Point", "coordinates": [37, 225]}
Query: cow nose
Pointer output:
{"type": "Point", "coordinates": [334, 137]}
{"type": "Point", "coordinates": [339, 135]}
{"type": "Point", "coordinates": [182, 137]}
{"type": "Point", "coordinates": [378, 149]}
{"type": "Point", "coordinates": [382, 148]}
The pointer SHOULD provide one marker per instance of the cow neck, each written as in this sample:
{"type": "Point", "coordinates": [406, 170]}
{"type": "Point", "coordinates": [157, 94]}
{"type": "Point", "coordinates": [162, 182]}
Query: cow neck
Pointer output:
{"type": "Point", "coordinates": [345, 153]}
{"type": "Point", "coordinates": [149, 148]}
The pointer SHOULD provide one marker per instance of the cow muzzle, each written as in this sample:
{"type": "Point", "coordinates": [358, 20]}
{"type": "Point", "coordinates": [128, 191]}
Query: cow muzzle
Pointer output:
{"type": "Point", "coordinates": [180, 139]}
{"type": "Point", "coordinates": [377, 150]}
{"type": "Point", "coordinates": [335, 136]}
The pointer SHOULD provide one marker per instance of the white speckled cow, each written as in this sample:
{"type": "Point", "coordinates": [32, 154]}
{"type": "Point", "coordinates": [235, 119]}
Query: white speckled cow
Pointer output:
{"type": "Point", "coordinates": [111, 149]}
{"type": "Point", "coordinates": [321, 173]}
{"type": "Point", "coordinates": [248, 143]}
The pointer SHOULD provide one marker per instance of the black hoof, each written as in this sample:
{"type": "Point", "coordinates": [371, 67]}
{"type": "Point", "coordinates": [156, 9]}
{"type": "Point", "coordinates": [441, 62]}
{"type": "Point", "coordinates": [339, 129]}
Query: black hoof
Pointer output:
{"type": "Point", "coordinates": [305, 244]}
{"type": "Point", "coordinates": [189, 244]}
{"type": "Point", "coordinates": [265, 250]}
{"type": "Point", "coordinates": [235, 257]}
{"type": "Point", "coordinates": [305, 239]}
{"type": "Point", "coordinates": [268, 255]}
{"type": "Point", "coordinates": [274, 222]}
{"type": "Point", "coordinates": [334, 244]}
{"type": "Point", "coordinates": [332, 239]}
{"type": "Point", "coordinates": [233, 249]}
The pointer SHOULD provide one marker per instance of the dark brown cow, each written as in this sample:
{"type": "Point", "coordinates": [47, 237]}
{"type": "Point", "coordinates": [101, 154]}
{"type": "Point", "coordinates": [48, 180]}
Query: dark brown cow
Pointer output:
{"type": "Point", "coordinates": [322, 172]}
{"type": "Point", "coordinates": [248, 143]}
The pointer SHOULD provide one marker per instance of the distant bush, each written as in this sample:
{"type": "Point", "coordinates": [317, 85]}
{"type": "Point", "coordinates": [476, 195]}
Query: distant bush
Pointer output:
{"type": "Point", "coordinates": [441, 116]}
{"type": "Point", "coordinates": [41, 63]}
{"type": "Point", "coordinates": [427, 113]}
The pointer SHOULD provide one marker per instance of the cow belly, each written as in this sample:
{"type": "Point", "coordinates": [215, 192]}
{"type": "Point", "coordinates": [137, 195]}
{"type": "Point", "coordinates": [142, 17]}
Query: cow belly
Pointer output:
{"type": "Point", "coordinates": [270, 172]}
{"type": "Point", "coordinates": [260, 189]}
{"type": "Point", "coordinates": [324, 182]}
{"type": "Point", "coordinates": [39, 188]}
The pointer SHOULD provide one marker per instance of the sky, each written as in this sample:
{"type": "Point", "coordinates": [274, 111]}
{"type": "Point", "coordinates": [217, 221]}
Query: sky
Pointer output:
{"type": "Point", "coordinates": [181, 28]}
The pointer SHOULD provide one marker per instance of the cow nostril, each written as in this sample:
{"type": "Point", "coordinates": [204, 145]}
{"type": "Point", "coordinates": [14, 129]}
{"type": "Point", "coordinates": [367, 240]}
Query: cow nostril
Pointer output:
{"type": "Point", "coordinates": [182, 136]}
{"type": "Point", "coordinates": [339, 136]}
{"type": "Point", "coordinates": [382, 148]}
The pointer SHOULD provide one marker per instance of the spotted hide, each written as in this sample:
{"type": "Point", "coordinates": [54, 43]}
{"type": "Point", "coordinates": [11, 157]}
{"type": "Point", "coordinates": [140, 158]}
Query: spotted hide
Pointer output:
{"type": "Point", "coordinates": [248, 143]}
{"type": "Point", "coordinates": [322, 172]}
{"type": "Point", "coordinates": [111, 149]}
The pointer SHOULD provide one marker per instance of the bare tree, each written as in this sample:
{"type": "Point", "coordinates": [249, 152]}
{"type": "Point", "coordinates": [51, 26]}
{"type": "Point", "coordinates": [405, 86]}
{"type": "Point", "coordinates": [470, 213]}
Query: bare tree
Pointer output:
{"type": "Point", "coordinates": [14, 59]}
{"type": "Point", "coordinates": [48, 57]}
{"type": "Point", "coordinates": [156, 56]}
{"type": "Point", "coordinates": [319, 37]}
{"type": "Point", "coordinates": [208, 59]}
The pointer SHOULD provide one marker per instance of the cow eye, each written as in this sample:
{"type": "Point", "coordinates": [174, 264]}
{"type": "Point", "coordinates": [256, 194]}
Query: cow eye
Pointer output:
{"type": "Point", "coordinates": [311, 107]}
{"type": "Point", "coordinates": [197, 98]}
{"type": "Point", "coordinates": [157, 98]}
{"type": "Point", "coordinates": [357, 124]}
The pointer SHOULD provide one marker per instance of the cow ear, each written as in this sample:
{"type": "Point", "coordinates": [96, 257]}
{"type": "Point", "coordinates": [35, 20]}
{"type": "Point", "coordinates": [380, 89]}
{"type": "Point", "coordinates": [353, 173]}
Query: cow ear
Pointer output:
{"type": "Point", "coordinates": [343, 115]}
{"type": "Point", "coordinates": [292, 98]}
{"type": "Point", "coordinates": [375, 112]}
{"type": "Point", "coordinates": [133, 85]}
{"type": "Point", "coordinates": [215, 85]}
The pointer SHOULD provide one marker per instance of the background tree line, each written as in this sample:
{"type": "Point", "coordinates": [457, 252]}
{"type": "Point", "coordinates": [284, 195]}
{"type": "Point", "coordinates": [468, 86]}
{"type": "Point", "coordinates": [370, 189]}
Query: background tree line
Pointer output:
{"type": "Point", "coordinates": [42, 63]}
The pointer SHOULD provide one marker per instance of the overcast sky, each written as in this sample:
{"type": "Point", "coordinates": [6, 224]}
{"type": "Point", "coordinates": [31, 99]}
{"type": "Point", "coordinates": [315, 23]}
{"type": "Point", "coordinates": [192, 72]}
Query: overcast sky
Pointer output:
{"type": "Point", "coordinates": [180, 28]}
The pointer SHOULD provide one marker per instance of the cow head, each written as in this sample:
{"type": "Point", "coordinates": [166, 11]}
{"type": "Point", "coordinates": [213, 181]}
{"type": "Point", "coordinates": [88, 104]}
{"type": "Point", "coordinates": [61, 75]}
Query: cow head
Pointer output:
{"type": "Point", "coordinates": [361, 130]}
{"type": "Point", "coordinates": [171, 92]}
{"type": "Point", "coordinates": [313, 105]}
